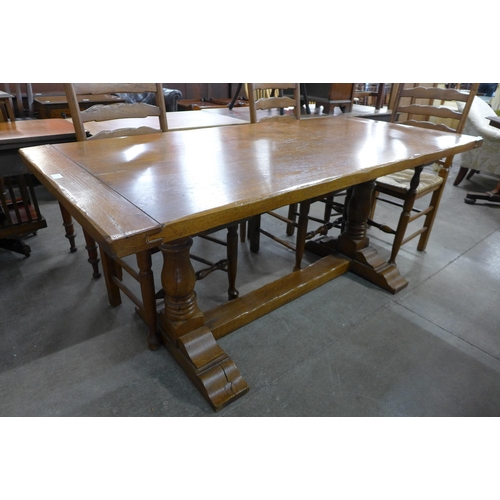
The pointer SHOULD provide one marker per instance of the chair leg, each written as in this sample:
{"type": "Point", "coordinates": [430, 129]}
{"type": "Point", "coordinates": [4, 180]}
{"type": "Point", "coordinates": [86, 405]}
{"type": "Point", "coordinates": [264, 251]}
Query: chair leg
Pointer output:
{"type": "Point", "coordinates": [373, 204]}
{"type": "Point", "coordinates": [471, 173]}
{"type": "Point", "coordinates": [460, 176]}
{"type": "Point", "coordinates": [301, 234]}
{"type": "Point", "coordinates": [146, 280]}
{"type": "Point", "coordinates": [429, 219]}
{"type": "Point", "coordinates": [232, 257]}
{"type": "Point", "coordinates": [327, 214]}
{"type": "Point", "coordinates": [243, 231]}
{"type": "Point", "coordinates": [404, 219]}
{"type": "Point", "coordinates": [93, 259]}
{"type": "Point", "coordinates": [109, 269]}
{"type": "Point", "coordinates": [292, 216]}
{"type": "Point", "coordinates": [254, 233]}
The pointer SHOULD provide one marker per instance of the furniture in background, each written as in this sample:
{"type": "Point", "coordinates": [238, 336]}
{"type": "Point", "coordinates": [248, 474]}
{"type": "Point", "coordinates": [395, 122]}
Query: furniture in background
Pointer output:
{"type": "Point", "coordinates": [19, 211]}
{"type": "Point", "coordinates": [487, 158]}
{"type": "Point", "coordinates": [238, 101]}
{"type": "Point", "coordinates": [492, 196]}
{"type": "Point", "coordinates": [22, 101]}
{"type": "Point", "coordinates": [410, 185]}
{"type": "Point", "coordinates": [365, 92]}
{"type": "Point", "coordinates": [331, 95]}
{"type": "Point", "coordinates": [6, 108]}
{"type": "Point", "coordinates": [171, 97]}
{"type": "Point", "coordinates": [56, 106]}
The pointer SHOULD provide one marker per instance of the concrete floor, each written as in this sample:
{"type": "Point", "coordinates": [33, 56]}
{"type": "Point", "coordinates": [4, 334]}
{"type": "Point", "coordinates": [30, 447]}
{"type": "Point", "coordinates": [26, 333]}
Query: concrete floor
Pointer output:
{"type": "Point", "coordinates": [345, 349]}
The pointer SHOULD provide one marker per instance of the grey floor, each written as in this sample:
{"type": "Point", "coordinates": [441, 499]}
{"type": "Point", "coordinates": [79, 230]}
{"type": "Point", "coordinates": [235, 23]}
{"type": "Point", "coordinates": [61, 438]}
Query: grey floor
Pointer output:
{"type": "Point", "coordinates": [345, 349]}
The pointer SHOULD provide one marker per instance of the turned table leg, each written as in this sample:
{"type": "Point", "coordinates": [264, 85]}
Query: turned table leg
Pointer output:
{"type": "Point", "coordinates": [354, 243]}
{"type": "Point", "coordinates": [187, 338]}
{"type": "Point", "coordinates": [69, 227]}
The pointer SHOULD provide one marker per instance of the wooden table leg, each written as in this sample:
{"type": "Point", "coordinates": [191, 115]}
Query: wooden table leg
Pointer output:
{"type": "Point", "coordinates": [146, 281]}
{"type": "Point", "coordinates": [186, 336]}
{"type": "Point", "coordinates": [69, 227]}
{"type": "Point", "coordinates": [354, 243]}
{"type": "Point", "coordinates": [91, 247]}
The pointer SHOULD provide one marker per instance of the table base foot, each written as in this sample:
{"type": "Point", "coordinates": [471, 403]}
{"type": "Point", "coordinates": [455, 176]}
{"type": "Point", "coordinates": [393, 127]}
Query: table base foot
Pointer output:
{"type": "Point", "coordinates": [365, 262]}
{"type": "Point", "coordinates": [208, 366]}
{"type": "Point", "coordinates": [370, 266]}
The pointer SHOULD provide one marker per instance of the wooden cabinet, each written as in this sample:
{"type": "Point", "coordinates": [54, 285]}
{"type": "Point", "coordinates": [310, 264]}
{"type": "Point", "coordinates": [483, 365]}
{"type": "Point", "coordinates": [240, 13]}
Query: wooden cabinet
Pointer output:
{"type": "Point", "coordinates": [330, 95]}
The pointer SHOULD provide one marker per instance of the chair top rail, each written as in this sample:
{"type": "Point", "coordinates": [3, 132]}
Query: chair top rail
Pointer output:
{"type": "Point", "coordinates": [435, 93]}
{"type": "Point", "coordinates": [104, 112]}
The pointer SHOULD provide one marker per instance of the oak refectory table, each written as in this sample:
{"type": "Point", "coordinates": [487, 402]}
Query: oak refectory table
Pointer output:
{"type": "Point", "coordinates": [159, 190]}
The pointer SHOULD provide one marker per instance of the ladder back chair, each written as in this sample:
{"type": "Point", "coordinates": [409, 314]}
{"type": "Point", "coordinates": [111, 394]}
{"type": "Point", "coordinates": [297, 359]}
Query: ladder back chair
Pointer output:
{"type": "Point", "coordinates": [113, 267]}
{"type": "Point", "coordinates": [22, 97]}
{"type": "Point", "coordinates": [262, 97]}
{"type": "Point", "coordinates": [421, 107]}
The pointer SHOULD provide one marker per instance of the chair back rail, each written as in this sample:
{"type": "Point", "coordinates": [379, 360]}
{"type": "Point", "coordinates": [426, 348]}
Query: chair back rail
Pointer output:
{"type": "Point", "coordinates": [273, 102]}
{"type": "Point", "coordinates": [419, 114]}
{"type": "Point", "coordinates": [116, 111]}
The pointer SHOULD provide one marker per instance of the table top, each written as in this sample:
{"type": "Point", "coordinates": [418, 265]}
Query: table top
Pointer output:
{"type": "Point", "coordinates": [23, 133]}
{"type": "Point", "coordinates": [61, 99]}
{"type": "Point", "coordinates": [5, 95]}
{"type": "Point", "coordinates": [176, 120]}
{"type": "Point", "coordinates": [133, 193]}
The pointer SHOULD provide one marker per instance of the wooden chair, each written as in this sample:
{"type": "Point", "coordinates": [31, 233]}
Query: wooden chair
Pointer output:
{"type": "Point", "coordinates": [6, 107]}
{"type": "Point", "coordinates": [113, 267]}
{"type": "Point", "coordinates": [411, 185]}
{"type": "Point", "coordinates": [22, 112]}
{"type": "Point", "coordinates": [262, 97]}
{"type": "Point", "coordinates": [19, 212]}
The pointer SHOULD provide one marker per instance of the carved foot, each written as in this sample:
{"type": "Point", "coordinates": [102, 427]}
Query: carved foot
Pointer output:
{"type": "Point", "coordinates": [208, 366]}
{"type": "Point", "coordinates": [368, 264]}
{"type": "Point", "coordinates": [365, 262]}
